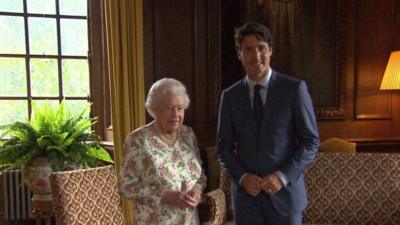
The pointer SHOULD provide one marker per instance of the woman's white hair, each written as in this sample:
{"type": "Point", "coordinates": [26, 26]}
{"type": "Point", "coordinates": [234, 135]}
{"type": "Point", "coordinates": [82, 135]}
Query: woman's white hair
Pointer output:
{"type": "Point", "coordinates": [162, 88]}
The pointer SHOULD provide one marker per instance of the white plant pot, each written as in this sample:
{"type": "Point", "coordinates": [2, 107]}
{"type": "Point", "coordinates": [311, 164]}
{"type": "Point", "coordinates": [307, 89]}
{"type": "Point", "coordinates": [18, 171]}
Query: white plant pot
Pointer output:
{"type": "Point", "coordinates": [37, 179]}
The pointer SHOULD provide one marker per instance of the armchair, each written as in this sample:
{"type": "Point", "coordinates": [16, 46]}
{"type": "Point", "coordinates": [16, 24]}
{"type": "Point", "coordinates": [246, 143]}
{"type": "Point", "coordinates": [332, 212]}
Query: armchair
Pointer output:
{"type": "Point", "coordinates": [337, 145]}
{"type": "Point", "coordinates": [215, 208]}
{"type": "Point", "coordinates": [87, 196]}
{"type": "Point", "coordinates": [216, 205]}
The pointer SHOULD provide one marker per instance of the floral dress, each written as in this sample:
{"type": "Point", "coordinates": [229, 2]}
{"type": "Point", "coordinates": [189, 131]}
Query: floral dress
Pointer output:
{"type": "Point", "coordinates": [150, 167]}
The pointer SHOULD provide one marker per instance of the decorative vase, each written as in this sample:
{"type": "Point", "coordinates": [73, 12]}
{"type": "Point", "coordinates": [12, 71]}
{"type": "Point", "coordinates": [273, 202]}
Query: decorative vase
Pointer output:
{"type": "Point", "coordinates": [36, 177]}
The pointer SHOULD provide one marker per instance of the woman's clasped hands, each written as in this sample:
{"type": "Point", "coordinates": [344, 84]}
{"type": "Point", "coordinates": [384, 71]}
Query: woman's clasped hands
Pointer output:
{"type": "Point", "coordinates": [181, 199]}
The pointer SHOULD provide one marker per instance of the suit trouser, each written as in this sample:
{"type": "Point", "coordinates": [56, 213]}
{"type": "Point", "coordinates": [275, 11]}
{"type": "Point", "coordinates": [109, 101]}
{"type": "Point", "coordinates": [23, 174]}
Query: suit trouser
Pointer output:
{"type": "Point", "coordinates": [260, 211]}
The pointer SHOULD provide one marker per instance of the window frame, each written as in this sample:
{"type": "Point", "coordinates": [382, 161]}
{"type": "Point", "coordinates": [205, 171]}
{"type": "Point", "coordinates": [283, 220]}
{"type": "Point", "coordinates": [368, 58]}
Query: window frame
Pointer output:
{"type": "Point", "coordinates": [99, 89]}
{"type": "Point", "coordinates": [98, 67]}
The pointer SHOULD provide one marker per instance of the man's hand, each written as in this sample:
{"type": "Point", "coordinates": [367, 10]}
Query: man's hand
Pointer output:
{"type": "Point", "coordinates": [252, 184]}
{"type": "Point", "coordinates": [271, 184]}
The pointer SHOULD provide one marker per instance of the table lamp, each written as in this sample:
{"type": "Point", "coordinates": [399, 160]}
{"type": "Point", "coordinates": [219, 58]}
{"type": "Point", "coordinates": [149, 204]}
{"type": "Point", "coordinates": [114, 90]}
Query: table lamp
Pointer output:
{"type": "Point", "coordinates": [391, 78]}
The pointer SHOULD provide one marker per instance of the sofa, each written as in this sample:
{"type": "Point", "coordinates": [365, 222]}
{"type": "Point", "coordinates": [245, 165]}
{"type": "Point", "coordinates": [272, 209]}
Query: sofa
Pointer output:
{"type": "Point", "coordinates": [343, 188]}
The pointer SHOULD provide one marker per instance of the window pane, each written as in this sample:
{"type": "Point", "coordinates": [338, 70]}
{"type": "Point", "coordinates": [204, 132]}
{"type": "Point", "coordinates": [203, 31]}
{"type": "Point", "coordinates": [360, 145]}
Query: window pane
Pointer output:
{"type": "Point", "coordinates": [73, 7]}
{"type": "Point", "coordinates": [13, 77]}
{"type": "Point", "coordinates": [13, 110]}
{"type": "Point", "coordinates": [12, 40]}
{"type": "Point", "coordinates": [43, 36]}
{"type": "Point", "coordinates": [76, 106]}
{"type": "Point", "coordinates": [74, 37]}
{"type": "Point", "coordinates": [44, 77]}
{"type": "Point", "coordinates": [75, 77]}
{"type": "Point", "coordinates": [39, 104]}
{"type": "Point", "coordinates": [11, 6]}
{"type": "Point", "coordinates": [41, 6]}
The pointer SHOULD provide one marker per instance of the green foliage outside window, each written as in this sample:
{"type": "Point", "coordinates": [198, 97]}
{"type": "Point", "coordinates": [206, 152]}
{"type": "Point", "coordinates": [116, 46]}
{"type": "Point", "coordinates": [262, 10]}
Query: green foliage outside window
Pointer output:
{"type": "Point", "coordinates": [47, 58]}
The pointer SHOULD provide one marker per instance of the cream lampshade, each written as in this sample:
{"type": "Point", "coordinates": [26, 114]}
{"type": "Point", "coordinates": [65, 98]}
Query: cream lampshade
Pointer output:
{"type": "Point", "coordinates": [391, 78]}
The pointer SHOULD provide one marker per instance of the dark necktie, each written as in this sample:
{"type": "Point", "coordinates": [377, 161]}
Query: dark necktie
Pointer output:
{"type": "Point", "coordinates": [257, 105]}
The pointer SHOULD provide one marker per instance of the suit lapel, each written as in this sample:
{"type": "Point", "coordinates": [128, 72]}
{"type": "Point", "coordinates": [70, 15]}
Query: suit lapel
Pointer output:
{"type": "Point", "coordinates": [270, 101]}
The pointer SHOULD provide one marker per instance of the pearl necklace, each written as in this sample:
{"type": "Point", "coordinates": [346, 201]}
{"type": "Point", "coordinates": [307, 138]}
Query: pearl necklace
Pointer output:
{"type": "Point", "coordinates": [170, 141]}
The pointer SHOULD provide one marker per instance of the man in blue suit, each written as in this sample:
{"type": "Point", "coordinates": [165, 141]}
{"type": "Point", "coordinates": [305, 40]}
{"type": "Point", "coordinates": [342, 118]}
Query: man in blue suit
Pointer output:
{"type": "Point", "coordinates": [267, 136]}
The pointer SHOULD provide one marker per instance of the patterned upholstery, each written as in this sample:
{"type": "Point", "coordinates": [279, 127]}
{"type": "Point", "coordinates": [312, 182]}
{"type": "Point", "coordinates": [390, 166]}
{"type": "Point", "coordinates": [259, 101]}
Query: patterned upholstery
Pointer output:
{"type": "Point", "coordinates": [220, 180]}
{"type": "Point", "coordinates": [86, 197]}
{"type": "Point", "coordinates": [225, 186]}
{"type": "Point", "coordinates": [345, 188]}
{"type": "Point", "coordinates": [212, 208]}
{"type": "Point", "coordinates": [215, 208]}
{"type": "Point", "coordinates": [360, 188]}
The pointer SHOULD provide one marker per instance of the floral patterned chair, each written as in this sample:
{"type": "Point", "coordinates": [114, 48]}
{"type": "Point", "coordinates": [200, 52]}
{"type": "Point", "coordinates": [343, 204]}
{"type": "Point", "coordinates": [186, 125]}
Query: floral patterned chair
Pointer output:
{"type": "Point", "coordinates": [87, 196]}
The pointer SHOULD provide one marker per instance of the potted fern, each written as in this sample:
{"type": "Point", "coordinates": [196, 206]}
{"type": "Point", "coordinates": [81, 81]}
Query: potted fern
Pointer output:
{"type": "Point", "coordinates": [54, 139]}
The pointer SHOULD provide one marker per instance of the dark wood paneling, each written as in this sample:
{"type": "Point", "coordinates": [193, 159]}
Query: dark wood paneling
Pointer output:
{"type": "Point", "coordinates": [318, 53]}
{"type": "Point", "coordinates": [148, 42]}
{"type": "Point", "coordinates": [174, 41]}
{"type": "Point", "coordinates": [170, 43]}
{"type": "Point", "coordinates": [181, 41]}
{"type": "Point", "coordinates": [377, 145]}
{"type": "Point", "coordinates": [199, 62]}
{"type": "Point", "coordinates": [2, 201]}
{"type": "Point", "coordinates": [396, 26]}
{"type": "Point", "coordinates": [336, 109]}
{"type": "Point", "coordinates": [374, 41]}
{"type": "Point", "coordinates": [214, 58]}
{"type": "Point", "coordinates": [371, 113]}
{"type": "Point", "coordinates": [193, 42]}
{"type": "Point", "coordinates": [100, 95]}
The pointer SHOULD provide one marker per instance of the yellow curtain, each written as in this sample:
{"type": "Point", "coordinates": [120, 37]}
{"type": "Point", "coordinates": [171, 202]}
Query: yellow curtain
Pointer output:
{"type": "Point", "coordinates": [124, 22]}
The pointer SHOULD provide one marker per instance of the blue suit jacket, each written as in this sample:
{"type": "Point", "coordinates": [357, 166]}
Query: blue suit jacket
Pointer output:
{"type": "Point", "coordinates": [287, 141]}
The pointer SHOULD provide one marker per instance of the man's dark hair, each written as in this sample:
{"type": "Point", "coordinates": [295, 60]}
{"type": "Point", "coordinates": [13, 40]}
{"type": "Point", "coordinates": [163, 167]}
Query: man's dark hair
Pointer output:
{"type": "Point", "coordinates": [252, 28]}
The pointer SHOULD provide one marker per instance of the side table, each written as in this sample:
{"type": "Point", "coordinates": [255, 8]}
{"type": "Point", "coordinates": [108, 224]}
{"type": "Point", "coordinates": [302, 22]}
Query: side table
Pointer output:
{"type": "Point", "coordinates": [42, 210]}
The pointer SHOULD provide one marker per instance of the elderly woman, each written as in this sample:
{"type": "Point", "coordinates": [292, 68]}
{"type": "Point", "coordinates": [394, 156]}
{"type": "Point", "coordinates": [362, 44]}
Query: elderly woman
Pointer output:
{"type": "Point", "coordinates": [161, 167]}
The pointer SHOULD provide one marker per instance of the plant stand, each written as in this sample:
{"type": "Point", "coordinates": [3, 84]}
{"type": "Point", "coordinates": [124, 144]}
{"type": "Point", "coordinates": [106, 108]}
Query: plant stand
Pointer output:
{"type": "Point", "coordinates": [42, 210]}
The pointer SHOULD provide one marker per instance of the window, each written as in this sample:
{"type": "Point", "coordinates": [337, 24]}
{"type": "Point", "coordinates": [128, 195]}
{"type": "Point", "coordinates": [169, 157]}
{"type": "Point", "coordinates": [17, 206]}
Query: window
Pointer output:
{"type": "Point", "coordinates": [43, 55]}
{"type": "Point", "coordinates": [46, 51]}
